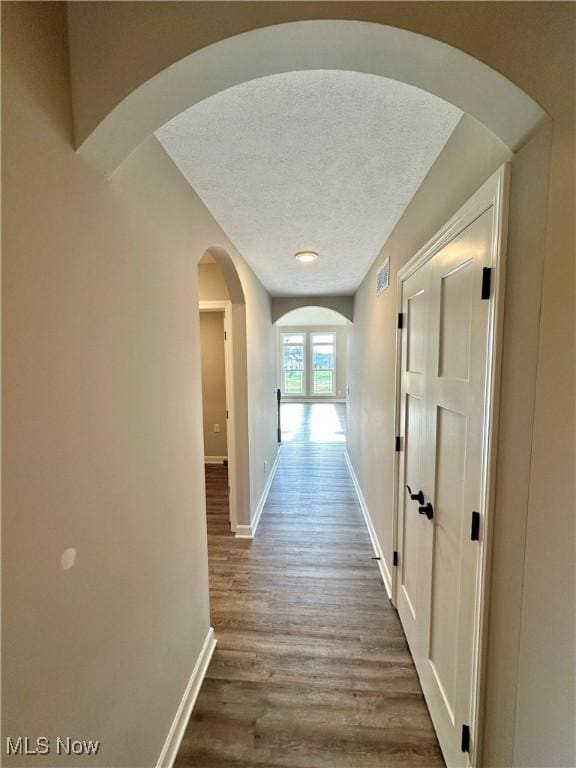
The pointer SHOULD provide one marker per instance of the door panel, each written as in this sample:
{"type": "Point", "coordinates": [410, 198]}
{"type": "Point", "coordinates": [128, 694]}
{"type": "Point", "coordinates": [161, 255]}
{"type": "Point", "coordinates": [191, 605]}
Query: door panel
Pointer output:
{"type": "Point", "coordinates": [455, 322]}
{"type": "Point", "coordinates": [446, 553]}
{"type": "Point", "coordinates": [416, 312]}
{"type": "Point", "coordinates": [409, 551]}
{"type": "Point", "coordinates": [415, 308]}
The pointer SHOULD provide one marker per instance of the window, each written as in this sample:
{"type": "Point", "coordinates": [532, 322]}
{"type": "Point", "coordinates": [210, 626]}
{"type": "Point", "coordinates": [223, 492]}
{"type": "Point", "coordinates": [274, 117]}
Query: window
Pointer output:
{"type": "Point", "coordinates": [308, 363]}
{"type": "Point", "coordinates": [293, 364]}
{"type": "Point", "coordinates": [323, 363]}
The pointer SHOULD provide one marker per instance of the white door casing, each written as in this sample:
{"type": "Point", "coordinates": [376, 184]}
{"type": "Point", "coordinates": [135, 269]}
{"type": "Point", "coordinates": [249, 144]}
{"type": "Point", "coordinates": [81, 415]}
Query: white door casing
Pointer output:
{"type": "Point", "coordinates": [440, 588]}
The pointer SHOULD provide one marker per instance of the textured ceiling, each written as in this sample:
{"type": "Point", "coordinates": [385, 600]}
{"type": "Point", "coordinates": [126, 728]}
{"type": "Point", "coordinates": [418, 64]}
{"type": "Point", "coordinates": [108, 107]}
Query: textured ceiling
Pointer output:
{"type": "Point", "coordinates": [317, 160]}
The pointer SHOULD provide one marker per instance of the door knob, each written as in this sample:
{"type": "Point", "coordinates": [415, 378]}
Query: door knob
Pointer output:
{"type": "Point", "coordinates": [419, 497]}
{"type": "Point", "coordinates": [427, 510]}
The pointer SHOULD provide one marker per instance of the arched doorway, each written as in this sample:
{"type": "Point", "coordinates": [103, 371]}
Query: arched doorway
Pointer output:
{"type": "Point", "coordinates": [357, 46]}
{"type": "Point", "coordinates": [222, 302]}
{"type": "Point", "coordinates": [312, 355]}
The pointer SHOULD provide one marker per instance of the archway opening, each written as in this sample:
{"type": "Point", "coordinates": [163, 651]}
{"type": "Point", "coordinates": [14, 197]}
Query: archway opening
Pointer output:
{"type": "Point", "coordinates": [356, 46]}
{"type": "Point", "coordinates": [312, 344]}
{"type": "Point", "coordinates": [224, 386]}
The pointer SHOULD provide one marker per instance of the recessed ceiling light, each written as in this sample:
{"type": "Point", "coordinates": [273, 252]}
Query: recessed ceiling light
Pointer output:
{"type": "Point", "coordinates": [306, 256]}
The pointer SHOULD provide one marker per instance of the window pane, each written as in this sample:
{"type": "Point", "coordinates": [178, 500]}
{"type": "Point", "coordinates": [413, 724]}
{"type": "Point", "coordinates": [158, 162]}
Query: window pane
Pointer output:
{"type": "Point", "coordinates": [322, 382]}
{"type": "Point", "coordinates": [293, 362]}
{"type": "Point", "coordinates": [293, 382]}
{"type": "Point", "coordinates": [293, 357]}
{"type": "Point", "coordinates": [323, 353]}
{"type": "Point", "coordinates": [323, 356]}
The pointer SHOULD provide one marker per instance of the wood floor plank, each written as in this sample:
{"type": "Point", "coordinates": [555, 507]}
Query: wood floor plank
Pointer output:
{"type": "Point", "coordinates": [311, 669]}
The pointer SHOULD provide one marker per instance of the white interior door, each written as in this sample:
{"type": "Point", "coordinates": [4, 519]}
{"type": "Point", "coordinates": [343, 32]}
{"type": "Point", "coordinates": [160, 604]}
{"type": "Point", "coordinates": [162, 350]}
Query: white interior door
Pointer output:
{"type": "Point", "coordinates": [446, 390]}
{"type": "Point", "coordinates": [453, 465]}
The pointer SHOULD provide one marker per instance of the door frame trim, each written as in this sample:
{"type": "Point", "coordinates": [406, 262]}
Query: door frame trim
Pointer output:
{"type": "Point", "coordinates": [225, 306]}
{"type": "Point", "coordinates": [492, 194]}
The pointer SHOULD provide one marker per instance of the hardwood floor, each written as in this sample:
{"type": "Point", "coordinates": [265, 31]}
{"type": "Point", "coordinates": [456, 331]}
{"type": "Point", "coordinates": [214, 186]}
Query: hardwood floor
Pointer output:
{"type": "Point", "coordinates": [311, 669]}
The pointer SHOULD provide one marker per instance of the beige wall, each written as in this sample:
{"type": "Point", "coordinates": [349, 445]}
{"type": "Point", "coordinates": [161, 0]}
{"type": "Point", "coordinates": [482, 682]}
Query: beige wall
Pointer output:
{"type": "Point", "coordinates": [261, 346]}
{"type": "Point", "coordinates": [102, 445]}
{"type": "Point", "coordinates": [102, 435]}
{"type": "Point", "coordinates": [213, 383]}
{"type": "Point", "coordinates": [342, 333]}
{"type": "Point", "coordinates": [526, 234]}
{"type": "Point", "coordinates": [281, 305]}
{"type": "Point", "coordinates": [211, 283]}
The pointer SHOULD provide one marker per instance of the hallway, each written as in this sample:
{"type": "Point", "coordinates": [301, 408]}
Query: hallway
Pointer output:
{"type": "Point", "coordinates": [406, 166]}
{"type": "Point", "coordinates": [311, 667]}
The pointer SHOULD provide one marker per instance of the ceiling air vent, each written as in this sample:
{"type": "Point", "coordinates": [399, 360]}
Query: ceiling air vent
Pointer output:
{"type": "Point", "coordinates": [383, 277]}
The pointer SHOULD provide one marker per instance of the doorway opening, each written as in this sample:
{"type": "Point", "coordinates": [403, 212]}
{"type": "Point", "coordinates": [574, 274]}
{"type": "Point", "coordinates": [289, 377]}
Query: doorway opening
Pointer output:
{"type": "Point", "coordinates": [312, 355]}
{"type": "Point", "coordinates": [224, 404]}
{"type": "Point", "coordinates": [218, 406]}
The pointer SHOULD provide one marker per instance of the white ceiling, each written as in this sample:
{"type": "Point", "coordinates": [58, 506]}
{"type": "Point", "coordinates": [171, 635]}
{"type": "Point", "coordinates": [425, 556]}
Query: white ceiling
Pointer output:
{"type": "Point", "coordinates": [313, 316]}
{"type": "Point", "coordinates": [319, 160]}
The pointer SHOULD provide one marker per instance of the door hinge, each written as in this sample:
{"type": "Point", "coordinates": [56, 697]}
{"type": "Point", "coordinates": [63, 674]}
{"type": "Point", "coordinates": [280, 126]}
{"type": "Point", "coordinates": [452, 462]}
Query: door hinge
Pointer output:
{"type": "Point", "coordinates": [225, 336]}
{"type": "Point", "coordinates": [486, 282]}
{"type": "Point", "coordinates": [465, 745]}
{"type": "Point", "coordinates": [227, 415]}
{"type": "Point", "coordinates": [398, 444]}
{"type": "Point", "coordinates": [400, 319]}
{"type": "Point", "coordinates": [475, 527]}
{"type": "Point", "coordinates": [395, 558]}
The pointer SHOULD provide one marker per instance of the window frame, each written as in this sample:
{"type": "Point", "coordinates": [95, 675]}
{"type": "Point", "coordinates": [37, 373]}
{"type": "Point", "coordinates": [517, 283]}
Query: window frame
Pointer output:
{"type": "Point", "coordinates": [283, 370]}
{"type": "Point", "coordinates": [333, 370]}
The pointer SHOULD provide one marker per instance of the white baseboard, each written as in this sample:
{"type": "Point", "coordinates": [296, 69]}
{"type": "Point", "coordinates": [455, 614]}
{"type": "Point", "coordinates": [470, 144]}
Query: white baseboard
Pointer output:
{"type": "Point", "coordinates": [176, 732]}
{"type": "Point", "coordinates": [385, 573]}
{"type": "Point", "coordinates": [249, 531]}
{"type": "Point", "coordinates": [215, 459]}
{"type": "Point", "coordinates": [244, 532]}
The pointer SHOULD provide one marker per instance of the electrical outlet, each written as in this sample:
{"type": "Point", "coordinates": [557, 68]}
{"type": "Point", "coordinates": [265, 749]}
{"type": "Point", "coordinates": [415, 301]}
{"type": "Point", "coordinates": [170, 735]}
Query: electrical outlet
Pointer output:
{"type": "Point", "coordinates": [216, 428]}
